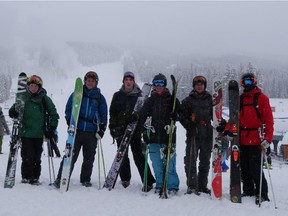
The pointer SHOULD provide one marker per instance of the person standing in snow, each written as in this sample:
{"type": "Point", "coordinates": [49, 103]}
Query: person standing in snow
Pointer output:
{"type": "Point", "coordinates": [37, 103]}
{"type": "Point", "coordinates": [3, 128]}
{"type": "Point", "coordinates": [252, 120]}
{"type": "Point", "coordinates": [159, 106]}
{"type": "Point", "coordinates": [90, 128]}
{"type": "Point", "coordinates": [196, 116]}
{"type": "Point", "coordinates": [121, 114]}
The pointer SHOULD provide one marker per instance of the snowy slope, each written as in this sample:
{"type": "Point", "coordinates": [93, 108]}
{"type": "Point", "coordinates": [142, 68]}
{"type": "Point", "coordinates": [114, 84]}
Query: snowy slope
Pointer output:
{"type": "Point", "coordinates": [44, 200]}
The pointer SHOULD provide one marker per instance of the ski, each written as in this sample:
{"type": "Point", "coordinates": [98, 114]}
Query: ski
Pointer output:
{"type": "Point", "coordinates": [122, 150]}
{"type": "Point", "coordinates": [234, 106]}
{"type": "Point", "coordinates": [15, 142]}
{"type": "Point", "coordinates": [163, 192]}
{"type": "Point", "coordinates": [72, 129]}
{"type": "Point", "coordinates": [216, 181]}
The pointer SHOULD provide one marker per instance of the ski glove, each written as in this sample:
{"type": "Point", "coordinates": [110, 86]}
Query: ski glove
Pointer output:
{"type": "Point", "coordinates": [50, 133]}
{"type": "Point", "coordinates": [265, 144]}
{"type": "Point", "coordinates": [221, 127]}
{"type": "Point", "coordinates": [101, 131]}
{"type": "Point", "coordinates": [68, 122]}
{"type": "Point", "coordinates": [13, 113]}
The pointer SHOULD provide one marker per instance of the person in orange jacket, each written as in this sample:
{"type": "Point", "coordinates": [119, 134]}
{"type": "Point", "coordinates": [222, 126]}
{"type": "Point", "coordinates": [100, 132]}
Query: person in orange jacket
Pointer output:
{"type": "Point", "coordinates": [256, 133]}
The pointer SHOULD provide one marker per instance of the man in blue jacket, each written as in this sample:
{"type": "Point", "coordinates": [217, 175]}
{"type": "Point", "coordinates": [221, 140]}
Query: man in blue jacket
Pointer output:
{"type": "Point", "coordinates": [91, 126]}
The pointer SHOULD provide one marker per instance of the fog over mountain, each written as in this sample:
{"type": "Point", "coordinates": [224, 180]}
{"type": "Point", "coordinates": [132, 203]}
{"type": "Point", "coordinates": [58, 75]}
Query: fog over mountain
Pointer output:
{"type": "Point", "coordinates": [188, 37]}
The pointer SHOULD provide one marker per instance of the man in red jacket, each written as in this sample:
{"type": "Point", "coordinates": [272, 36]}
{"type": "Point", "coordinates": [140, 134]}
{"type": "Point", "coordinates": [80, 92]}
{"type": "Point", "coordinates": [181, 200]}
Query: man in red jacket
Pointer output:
{"type": "Point", "coordinates": [256, 132]}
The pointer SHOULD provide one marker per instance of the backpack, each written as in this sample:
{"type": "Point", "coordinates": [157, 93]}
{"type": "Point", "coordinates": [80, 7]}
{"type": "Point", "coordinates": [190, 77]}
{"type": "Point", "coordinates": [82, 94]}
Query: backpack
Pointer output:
{"type": "Point", "coordinates": [255, 104]}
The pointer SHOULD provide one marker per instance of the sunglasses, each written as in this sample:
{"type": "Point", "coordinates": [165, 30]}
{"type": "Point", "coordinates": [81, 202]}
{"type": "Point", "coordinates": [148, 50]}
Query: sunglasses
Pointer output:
{"type": "Point", "coordinates": [34, 79]}
{"type": "Point", "coordinates": [159, 83]}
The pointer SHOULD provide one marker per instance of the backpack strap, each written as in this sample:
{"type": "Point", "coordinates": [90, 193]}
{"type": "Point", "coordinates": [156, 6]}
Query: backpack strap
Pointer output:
{"type": "Point", "coordinates": [255, 104]}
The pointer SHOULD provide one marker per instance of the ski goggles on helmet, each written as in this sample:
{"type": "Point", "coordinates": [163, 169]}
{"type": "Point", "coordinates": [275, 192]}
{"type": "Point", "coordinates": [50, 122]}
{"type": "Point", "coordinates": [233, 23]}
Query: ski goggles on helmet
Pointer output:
{"type": "Point", "coordinates": [159, 83]}
{"type": "Point", "coordinates": [248, 81]}
{"type": "Point", "coordinates": [34, 79]}
{"type": "Point", "coordinates": [91, 75]}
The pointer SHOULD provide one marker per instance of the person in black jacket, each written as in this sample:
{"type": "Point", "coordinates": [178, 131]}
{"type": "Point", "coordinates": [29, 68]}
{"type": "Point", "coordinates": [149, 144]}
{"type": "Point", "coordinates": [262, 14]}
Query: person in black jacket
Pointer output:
{"type": "Point", "coordinates": [121, 115]}
{"type": "Point", "coordinates": [159, 107]}
{"type": "Point", "coordinates": [196, 116]}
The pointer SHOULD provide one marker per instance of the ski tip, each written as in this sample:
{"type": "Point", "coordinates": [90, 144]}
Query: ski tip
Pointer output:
{"type": "Point", "coordinates": [23, 75]}
{"type": "Point", "coordinates": [233, 84]}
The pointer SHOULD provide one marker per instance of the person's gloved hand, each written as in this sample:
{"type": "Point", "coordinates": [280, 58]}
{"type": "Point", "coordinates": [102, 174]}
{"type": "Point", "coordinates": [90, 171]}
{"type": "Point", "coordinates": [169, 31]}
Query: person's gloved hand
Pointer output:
{"type": "Point", "coordinates": [265, 144]}
{"type": "Point", "coordinates": [173, 116]}
{"type": "Point", "coordinates": [221, 127]}
{"type": "Point", "coordinates": [133, 118]}
{"type": "Point", "coordinates": [101, 131]}
{"type": "Point", "coordinates": [68, 122]}
{"type": "Point", "coordinates": [50, 133]}
{"type": "Point", "coordinates": [13, 113]}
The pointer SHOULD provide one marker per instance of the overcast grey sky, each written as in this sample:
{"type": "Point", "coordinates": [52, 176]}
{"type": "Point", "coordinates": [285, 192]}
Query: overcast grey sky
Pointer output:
{"type": "Point", "coordinates": [256, 28]}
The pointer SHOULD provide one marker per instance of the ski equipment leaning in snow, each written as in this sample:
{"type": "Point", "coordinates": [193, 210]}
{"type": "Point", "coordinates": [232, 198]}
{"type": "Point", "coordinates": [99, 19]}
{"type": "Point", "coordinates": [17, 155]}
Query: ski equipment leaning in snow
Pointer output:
{"type": "Point", "coordinates": [216, 181]}
{"type": "Point", "coordinates": [234, 106]}
{"type": "Point", "coordinates": [32, 130]}
{"type": "Point", "coordinates": [88, 119]}
{"type": "Point", "coordinates": [126, 139]}
{"type": "Point", "coordinates": [121, 115]}
{"type": "Point", "coordinates": [170, 132]}
{"type": "Point", "coordinates": [159, 106]}
{"type": "Point", "coordinates": [196, 116]}
{"type": "Point", "coordinates": [15, 137]}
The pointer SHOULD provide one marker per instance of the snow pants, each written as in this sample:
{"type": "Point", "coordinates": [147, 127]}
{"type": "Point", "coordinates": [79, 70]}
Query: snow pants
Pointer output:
{"type": "Point", "coordinates": [158, 164]}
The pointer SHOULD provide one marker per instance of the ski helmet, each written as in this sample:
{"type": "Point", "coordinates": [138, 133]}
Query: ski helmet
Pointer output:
{"type": "Point", "coordinates": [160, 80]}
{"type": "Point", "coordinates": [36, 80]}
{"type": "Point", "coordinates": [129, 74]}
{"type": "Point", "coordinates": [248, 79]}
{"type": "Point", "coordinates": [199, 79]}
{"type": "Point", "coordinates": [91, 74]}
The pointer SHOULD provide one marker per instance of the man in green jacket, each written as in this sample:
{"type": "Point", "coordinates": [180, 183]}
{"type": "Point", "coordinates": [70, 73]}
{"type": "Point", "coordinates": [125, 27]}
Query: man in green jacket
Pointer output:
{"type": "Point", "coordinates": [37, 104]}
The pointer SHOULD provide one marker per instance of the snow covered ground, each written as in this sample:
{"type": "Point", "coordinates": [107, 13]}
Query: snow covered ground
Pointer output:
{"type": "Point", "coordinates": [44, 200]}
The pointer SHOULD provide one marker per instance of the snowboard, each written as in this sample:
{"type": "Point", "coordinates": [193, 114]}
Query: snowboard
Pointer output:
{"type": "Point", "coordinates": [234, 107]}
{"type": "Point", "coordinates": [123, 147]}
{"type": "Point", "coordinates": [216, 181]}
{"type": "Point", "coordinates": [163, 191]}
{"type": "Point", "coordinates": [15, 142]}
{"type": "Point", "coordinates": [68, 157]}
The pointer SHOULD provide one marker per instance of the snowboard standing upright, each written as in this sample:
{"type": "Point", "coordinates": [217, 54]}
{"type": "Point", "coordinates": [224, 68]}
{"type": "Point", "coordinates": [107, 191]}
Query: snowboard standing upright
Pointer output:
{"type": "Point", "coordinates": [234, 106]}
{"type": "Point", "coordinates": [15, 142]}
{"type": "Point", "coordinates": [123, 147]}
{"type": "Point", "coordinates": [68, 157]}
{"type": "Point", "coordinates": [216, 181]}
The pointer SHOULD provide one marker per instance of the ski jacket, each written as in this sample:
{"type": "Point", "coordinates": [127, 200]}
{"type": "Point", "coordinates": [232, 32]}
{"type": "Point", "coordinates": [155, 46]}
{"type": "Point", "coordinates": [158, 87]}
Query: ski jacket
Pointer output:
{"type": "Point", "coordinates": [35, 108]}
{"type": "Point", "coordinates": [121, 108]}
{"type": "Point", "coordinates": [3, 124]}
{"type": "Point", "coordinates": [249, 121]}
{"type": "Point", "coordinates": [159, 107]}
{"type": "Point", "coordinates": [196, 114]}
{"type": "Point", "coordinates": [93, 110]}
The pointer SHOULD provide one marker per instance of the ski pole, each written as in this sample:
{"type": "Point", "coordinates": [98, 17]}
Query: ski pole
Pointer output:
{"type": "Point", "coordinates": [103, 162]}
{"type": "Point", "coordinates": [99, 168]}
{"type": "Point", "coordinates": [49, 165]}
{"type": "Point", "coordinates": [261, 177]}
{"type": "Point", "coordinates": [274, 200]}
{"type": "Point", "coordinates": [52, 163]}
